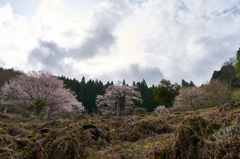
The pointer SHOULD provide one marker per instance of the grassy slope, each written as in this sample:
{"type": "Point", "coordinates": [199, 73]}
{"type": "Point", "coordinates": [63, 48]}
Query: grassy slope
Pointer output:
{"type": "Point", "coordinates": [187, 135]}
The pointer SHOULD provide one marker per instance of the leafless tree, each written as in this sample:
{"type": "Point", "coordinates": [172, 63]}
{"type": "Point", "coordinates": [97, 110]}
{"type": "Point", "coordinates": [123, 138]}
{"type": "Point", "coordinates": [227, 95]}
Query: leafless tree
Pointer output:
{"type": "Point", "coordinates": [217, 92]}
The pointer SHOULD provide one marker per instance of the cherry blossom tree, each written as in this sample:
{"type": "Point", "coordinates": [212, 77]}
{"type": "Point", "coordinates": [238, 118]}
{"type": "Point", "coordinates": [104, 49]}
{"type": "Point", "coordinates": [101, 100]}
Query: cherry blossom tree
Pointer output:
{"type": "Point", "coordinates": [189, 96]}
{"type": "Point", "coordinates": [161, 109]}
{"type": "Point", "coordinates": [27, 88]}
{"type": "Point", "coordinates": [119, 95]}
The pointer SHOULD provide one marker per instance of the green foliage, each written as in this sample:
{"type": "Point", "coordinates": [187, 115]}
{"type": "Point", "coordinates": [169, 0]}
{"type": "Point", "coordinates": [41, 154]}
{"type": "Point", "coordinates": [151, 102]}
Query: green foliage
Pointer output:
{"type": "Point", "coordinates": [227, 73]}
{"type": "Point", "coordinates": [166, 91]}
{"type": "Point", "coordinates": [237, 67]}
{"type": "Point", "coordinates": [236, 95]}
{"type": "Point", "coordinates": [230, 71]}
{"type": "Point", "coordinates": [87, 91]}
{"type": "Point", "coordinates": [216, 74]}
{"type": "Point", "coordinates": [92, 153]}
{"type": "Point", "coordinates": [186, 84]}
{"type": "Point", "coordinates": [39, 105]}
{"type": "Point", "coordinates": [140, 110]}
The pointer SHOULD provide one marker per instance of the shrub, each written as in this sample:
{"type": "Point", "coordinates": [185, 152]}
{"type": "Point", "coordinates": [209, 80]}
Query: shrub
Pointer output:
{"type": "Point", "coordinates": [161, 109]}
{"type": "Point", "coordinates": [187, 143]}
{"type": "Point", "coordinates": [140, 110]}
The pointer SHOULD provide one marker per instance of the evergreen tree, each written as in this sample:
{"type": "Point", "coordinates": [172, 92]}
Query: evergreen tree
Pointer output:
{"type": "Point", "coordinates": [134, 84]}
{"type": "Point", "coordinates": [186, 84]}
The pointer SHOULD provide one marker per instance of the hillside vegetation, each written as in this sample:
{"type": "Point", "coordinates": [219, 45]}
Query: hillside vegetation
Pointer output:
{"type": "Point", "coordinates": [208, 133]}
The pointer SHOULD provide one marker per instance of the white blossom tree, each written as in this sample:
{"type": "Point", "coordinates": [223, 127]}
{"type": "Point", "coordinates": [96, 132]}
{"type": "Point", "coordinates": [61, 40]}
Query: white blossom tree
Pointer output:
{"type": "Point", "coordinates": [161, 109]}
{"type": "Point", "coordinates": [27, 88]}
{"type": "Point", "coordinates": [119, 95]}
{"type": "Point", "coordinates": [78, 107]}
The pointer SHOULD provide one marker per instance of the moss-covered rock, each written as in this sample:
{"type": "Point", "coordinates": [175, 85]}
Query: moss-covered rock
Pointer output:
{"type": "Point", "coordinates": [45, 130]}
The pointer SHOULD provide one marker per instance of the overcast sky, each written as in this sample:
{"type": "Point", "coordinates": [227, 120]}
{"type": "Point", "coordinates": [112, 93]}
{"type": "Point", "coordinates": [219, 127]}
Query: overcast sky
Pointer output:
{"type": "Point", "coordinates": [120, 39]}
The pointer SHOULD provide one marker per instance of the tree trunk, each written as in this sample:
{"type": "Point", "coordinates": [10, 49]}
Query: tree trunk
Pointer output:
{"type": "Point", "coordinates": [5, 110]}
{"type": "Point", "coordinates": [194, 109]}
{"type": "Point", "coordinates": [125, 108]}
{"type": "Point", "coordinates": [168, 106]}
{"type": "Point", "coordinates": [117, 109]}
{"type": "Point", "coordinates": [111, 105]}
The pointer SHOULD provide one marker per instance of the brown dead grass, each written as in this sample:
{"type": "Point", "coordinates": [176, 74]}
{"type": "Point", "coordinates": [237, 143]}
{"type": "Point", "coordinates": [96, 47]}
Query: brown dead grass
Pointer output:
{"type": "Point", "coordinates": [149, 136]}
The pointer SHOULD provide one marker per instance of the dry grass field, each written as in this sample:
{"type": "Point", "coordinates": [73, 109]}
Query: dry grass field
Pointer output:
{"type": "Point", "coordinates": [206, 134]}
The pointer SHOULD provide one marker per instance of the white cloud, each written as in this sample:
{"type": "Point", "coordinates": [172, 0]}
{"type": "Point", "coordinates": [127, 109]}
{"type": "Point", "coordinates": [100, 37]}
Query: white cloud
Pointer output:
{"type": "Point", "coordinates": [190, 39]}
{"type": "Point", "coordinates": [6, 15]}
{"type": "Point", "coordinates": [176, 39]}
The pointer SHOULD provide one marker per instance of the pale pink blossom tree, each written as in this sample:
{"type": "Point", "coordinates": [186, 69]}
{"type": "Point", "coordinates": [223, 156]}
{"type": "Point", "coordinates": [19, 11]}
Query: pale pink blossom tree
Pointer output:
{"type": "Point", "coordinates": [189, 97]}
{"type": "Point", "coordinates": [161, 109]}
{"type": "Point", "coordinates": [119, 95]}
{"type": "Point", "coordinates": [27, 88]}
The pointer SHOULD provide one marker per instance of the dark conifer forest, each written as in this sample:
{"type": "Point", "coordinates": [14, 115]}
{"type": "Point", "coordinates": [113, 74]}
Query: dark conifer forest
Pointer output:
{"type": "Point", "coordinates": [87, 91]}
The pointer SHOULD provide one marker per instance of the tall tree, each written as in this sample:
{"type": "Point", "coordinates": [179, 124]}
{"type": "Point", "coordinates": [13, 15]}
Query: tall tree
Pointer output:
{"type": "Point", "coordinates": [144, 90]}
{"type": "Point", "coordinates": [186, 84]}
{"type": "Point", "coordinates": [121, 95]}
{"type": "Point", "coordinates": [166, 91]}
{"type": "Point", "coordinates": [124, 82]}
{"type": "Point", "coordinates": [134, 84]}
{"type": "Point", "coordinates": [90, 96]}
{"type": "Point", "coordinates": [27, 88]}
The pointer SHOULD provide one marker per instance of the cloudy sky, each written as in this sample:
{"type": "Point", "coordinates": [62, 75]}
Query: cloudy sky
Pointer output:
{"type": "Point", "coordinates": [120, 39]}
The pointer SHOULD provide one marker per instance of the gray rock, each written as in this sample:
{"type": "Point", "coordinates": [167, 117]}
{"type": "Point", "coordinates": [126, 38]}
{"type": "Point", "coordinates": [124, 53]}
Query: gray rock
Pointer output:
{"type": "Point", "coordinates": [129, 121]}
{"type": "Point", "coordinates": [92, 130]}
{"type": "Point", "coordinates": [21, 143]}
{"type": "Point", "coordinates": [98, 133]}
{"type": "Point", "coordinates": [40, 139]}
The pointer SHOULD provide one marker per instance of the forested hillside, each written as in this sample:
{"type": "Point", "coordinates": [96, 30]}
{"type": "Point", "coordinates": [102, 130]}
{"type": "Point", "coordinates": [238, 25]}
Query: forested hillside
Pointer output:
{"type": "Point", "coordinates": [87, 91]}
{"type": "Point", "coordinates": [228, 71]}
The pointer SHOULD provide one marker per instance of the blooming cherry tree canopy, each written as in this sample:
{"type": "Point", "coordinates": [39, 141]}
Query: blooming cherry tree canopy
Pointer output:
{"type": "Point", "coordinates": [119, 94]}
{"type": "Point", "coordinates": [27, 88]}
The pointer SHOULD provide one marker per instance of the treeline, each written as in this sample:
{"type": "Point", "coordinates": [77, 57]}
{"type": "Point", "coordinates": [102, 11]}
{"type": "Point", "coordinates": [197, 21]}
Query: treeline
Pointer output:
{"type": "Point", "coordinates": [87, 92]}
